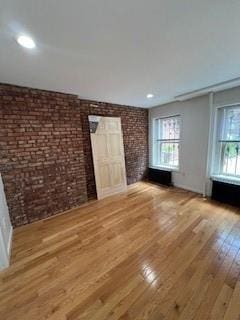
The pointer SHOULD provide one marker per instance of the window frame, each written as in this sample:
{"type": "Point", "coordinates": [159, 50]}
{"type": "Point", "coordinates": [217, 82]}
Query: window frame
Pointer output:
{"type": "Point", "coordinates": [155, 143]}
{"type": "Point", "coordinates": [219, 127]}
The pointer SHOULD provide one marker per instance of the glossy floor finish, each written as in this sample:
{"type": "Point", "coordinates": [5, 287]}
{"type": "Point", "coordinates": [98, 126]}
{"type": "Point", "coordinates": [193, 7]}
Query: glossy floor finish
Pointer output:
{"type": "Point", "coordinates": [152, 253]}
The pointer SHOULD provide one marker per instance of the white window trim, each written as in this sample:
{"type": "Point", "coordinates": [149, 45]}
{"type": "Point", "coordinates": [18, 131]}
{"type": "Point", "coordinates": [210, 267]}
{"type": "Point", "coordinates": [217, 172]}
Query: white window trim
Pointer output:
{"type": "Point", "coordinates": [227, 179]}
{"type": "Point", "coordinates": [153, 143]}
{"type": "Point", "coordinates": [165, 168]}
{"type": "Point", "coordinates": [213, 175]}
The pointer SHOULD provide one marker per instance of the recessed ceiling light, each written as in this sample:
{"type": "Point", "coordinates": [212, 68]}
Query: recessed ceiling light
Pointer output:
{"type": "Point", "coordinates": [26, 42]}
{"type": "Point", "coordinates": [150, 96]}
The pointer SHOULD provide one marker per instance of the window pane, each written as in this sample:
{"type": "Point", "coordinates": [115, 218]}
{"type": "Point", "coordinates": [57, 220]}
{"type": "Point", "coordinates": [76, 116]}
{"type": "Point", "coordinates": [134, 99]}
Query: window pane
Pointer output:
{"type": "Point", "coordinates": [230, 158]}
{"type": "Point", "coordinates": [169, 153]}
{"type": "Point", "coordinates": [170, 128]}
{"type": "Point", "coordinates": [232, 124]}
{"type": "Point", "coordinates": [167, 131]}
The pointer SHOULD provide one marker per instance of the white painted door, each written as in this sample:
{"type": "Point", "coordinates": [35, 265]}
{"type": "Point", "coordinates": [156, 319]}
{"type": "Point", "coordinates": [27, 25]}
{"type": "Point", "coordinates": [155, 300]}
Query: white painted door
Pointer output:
{"type": "Point", "coordinates": [5, 229]}
{"type": "Point", "coordinates": [108, 155]}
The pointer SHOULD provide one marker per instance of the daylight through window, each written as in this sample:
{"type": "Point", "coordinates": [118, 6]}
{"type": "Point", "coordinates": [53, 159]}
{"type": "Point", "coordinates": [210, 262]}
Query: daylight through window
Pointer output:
{"type": "Point", "coordinates": [167, 139]}
{"type": "Point", "coordinates": [228, 142]}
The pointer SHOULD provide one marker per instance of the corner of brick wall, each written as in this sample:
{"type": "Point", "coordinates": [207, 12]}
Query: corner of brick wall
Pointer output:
{"type": "Point", "coordinates": [46, 151]}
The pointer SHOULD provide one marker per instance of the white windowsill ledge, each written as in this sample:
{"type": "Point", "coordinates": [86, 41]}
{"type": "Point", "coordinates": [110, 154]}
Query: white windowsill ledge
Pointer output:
{"type": "Point", "coordinates": [172, 169]}
{"type": "Point", "coordinates": [227, 179]}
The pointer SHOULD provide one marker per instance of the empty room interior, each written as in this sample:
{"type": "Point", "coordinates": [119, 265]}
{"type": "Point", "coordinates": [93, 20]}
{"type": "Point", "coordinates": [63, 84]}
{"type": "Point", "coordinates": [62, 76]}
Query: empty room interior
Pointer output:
{"type": "Point", "coordinates": [119, 160]}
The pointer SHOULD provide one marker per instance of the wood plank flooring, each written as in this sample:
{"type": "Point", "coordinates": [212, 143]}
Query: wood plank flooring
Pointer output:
{"type": "Point", "coordinates": [151, 253]}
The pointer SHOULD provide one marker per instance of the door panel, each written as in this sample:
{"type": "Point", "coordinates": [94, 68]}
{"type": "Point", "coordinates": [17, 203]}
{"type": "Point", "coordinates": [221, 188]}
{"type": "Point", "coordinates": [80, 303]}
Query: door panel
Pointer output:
{"type": "Point", "coordinates": [104, 175]}
{"type": "Point", "coordinates": [101, 146]}
{"type": "Point", "coordinates": [114, 125]}
{"type": "Point", "coordinates": [108, 155]}
{"type": "Point", "coordinates": [117, 173]}
{"type": "Point", "coordinates": [114, 141]}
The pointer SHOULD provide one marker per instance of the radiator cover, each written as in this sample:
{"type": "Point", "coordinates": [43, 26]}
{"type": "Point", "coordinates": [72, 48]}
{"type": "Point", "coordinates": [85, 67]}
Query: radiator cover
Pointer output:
{"type": "Point", "coordinates": [160, 176]}
{"type": "Point", "coordinates": [226, 193]}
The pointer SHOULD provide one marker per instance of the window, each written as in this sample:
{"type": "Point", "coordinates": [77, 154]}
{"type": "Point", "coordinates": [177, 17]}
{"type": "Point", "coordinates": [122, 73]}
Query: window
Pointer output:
{"type": "Point", "coordinates": [166, 144]}
{"type": "Point", "coordinates": [227, 158]}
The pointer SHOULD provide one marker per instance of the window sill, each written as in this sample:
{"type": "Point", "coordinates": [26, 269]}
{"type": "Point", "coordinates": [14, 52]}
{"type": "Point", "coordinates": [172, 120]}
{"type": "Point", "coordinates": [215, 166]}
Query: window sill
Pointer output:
{"type": "Point", "coordinates": [172, 169]}
{"type": "Point", "coordinates": [226, 179]}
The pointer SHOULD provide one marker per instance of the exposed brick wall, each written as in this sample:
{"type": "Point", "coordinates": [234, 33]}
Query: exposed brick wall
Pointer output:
{"type": "Point", "coordinates": [135, 138]}
{"type": "Point", "coordinates": [45, 150]}
{"type": "Point", "coordinates": [42, 161]}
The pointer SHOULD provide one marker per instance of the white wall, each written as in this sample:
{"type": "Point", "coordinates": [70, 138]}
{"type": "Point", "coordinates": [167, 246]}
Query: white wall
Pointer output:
{"type": "Point", "coordinates": [196, 124]}
{"type": "Point", "coordinates": [5, 230]}
{"type": "Point", "coordinates": [194, 140]}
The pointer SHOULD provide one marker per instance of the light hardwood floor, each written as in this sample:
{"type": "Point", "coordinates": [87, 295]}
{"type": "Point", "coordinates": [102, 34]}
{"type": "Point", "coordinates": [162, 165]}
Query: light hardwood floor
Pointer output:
{"type": "Point", "coordinates": [151, 253]}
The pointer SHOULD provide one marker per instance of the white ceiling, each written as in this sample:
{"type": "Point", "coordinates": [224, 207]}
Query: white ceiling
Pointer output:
{"type": "Point", "coordinates": [120, 50]}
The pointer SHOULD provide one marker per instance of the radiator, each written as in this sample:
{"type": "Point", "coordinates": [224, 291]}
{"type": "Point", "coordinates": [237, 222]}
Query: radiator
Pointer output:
{"type": "Point", "coordinates": [160, 176]}
{"type": "Point", "coordinates": [226, 193]}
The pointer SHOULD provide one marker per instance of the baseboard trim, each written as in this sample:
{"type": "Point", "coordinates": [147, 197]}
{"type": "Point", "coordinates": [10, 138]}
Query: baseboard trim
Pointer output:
{"type": "Point", "coordinates": [181, 186]}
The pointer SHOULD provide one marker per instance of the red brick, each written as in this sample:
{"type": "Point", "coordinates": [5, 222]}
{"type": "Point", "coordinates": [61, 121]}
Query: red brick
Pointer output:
{"type": "Point", "coordinates": [46, 157]}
